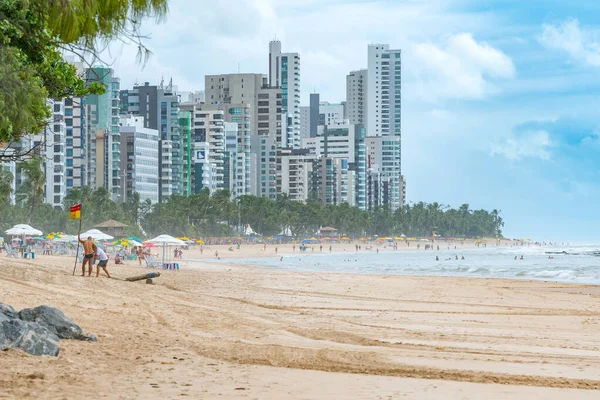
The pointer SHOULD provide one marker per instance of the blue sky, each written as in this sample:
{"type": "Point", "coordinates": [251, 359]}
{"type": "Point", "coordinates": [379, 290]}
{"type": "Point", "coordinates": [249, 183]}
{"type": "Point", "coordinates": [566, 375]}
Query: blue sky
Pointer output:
{"type": "Point", "coordinates": [501, 98]}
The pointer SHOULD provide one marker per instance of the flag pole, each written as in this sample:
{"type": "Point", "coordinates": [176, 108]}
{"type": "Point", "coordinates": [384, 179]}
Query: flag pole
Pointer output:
{"type": "Point", "coordinates": [77, 253]}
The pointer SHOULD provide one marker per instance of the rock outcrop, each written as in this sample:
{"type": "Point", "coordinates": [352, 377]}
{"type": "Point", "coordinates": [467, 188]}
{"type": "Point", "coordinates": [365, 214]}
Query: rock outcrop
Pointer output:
{"type": "Point", "coordinates": [37, 331]}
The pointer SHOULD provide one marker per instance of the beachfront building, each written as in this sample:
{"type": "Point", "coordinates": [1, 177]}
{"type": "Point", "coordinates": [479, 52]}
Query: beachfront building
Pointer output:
{"type": "Point", "coordinates": [333, 181]}
{"type": "Point", "coordinates": [205, 171]}
{"type": "Point", "coordinates": [374, 100]}
{"type": "Point", "coordinates": [284, 73]}
{"type": "Point", "coordinates": [384, 185]}
{"type": "Point", "coordinates": [319, 113]}
{"type": "Point", "coordinates": [50, 145]}
{"type": "Point", "coordinates": [159, 105]}
{"type": "Point", "coordinates": [234, 162]}
{"type": "Point", "coordinates": [102, 119]}
{"type": "Point", "coordinates": [294, 173]}
{"type": "Point", "coordinates": [263, 166]}
{"type": "Point", "coordinates": [356, 96]}
{"type": "Point", "coordinates": [76, 137]}
{"type": "Point", "coordinates": [139, 161]}
{"type": "Point", "coordinates": [304, 122]}
{"type": "Point", "coordinates": [209, 145]}
{"type": "Point", "coordinates": [185, 127]}
{"type": "Point", "coordinates": [240, 115]}
{"type": "Point", "coordinates": [384, 91]}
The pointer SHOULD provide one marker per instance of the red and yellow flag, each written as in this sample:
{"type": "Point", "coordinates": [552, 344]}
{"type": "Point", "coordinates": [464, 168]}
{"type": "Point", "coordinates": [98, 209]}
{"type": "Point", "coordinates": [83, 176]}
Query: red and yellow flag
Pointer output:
{"type": "Point", "coordinates": [75, 212]}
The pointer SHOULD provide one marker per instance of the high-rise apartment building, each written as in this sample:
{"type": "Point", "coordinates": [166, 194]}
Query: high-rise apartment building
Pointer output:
{"type": "Point", "coordinates": [385, 185]}
{"type": "Point", "coordinates": [304, 122]}
{"type": "Point", "coordinates": [139, 159]}
{"type": "Point", "coordinates": [102, 120]}
{"type": "Point", "coordinates": [284, 73]}
{"type": "Point", "coordinates": [50, 144]}
{"type": "Point", "coordinates": [209, 139]}
{"type": "Point", "coordinates": [159, 105]}
{"type": "Point", "coordinates": [356, 96]}
{"type": "Point", "coordinates": [187, 149]}
{"type": "Point", "coordinates": [263, 167]}
{"type": "Point", "coordinates": [294, 173]}
{"type": "Point", "coordinates": [264, 102]}
{"type": "Point", "coordinates": [333, 181]}
{"type": "Point", "coordinates": [384, 91]}
{"type": "Point", "coordinates": [237, 145]}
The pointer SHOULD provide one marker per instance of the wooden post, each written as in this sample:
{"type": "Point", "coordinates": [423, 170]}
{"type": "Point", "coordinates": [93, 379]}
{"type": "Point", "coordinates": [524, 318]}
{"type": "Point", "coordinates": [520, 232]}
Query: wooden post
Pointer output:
{"type": "Point", "coordinates": [143, 277]}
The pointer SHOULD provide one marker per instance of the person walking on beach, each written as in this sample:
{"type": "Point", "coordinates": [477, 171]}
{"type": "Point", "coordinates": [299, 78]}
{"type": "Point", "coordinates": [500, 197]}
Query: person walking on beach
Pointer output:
{"type": "Point", "coordinates": [141, 256]}
{"type": "Point", "coordinates": [89, 250]}
{"type": "Point", "coordinates": [101, 255]}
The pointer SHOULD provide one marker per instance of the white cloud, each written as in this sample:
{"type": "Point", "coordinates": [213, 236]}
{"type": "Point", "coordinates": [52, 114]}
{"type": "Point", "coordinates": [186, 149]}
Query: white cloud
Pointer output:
{"type": "Point", "coordinates": [463, 68]}
{"type": "Point", "coordinates": [581, 45]}
{"type": "Point", "coordinates": [532, 144]}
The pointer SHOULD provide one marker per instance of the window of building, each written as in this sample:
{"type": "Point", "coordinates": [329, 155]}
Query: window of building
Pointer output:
{"type": "Point", "coordinates": [69, 112]}
{"type": "Point", "coordinates": [69, 122]}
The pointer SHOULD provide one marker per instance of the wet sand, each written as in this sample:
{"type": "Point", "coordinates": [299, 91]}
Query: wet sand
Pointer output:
{"type": "Point", "coordinates": [232, 332]}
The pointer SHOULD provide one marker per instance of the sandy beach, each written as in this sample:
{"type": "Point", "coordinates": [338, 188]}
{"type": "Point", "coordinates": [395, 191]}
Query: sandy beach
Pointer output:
{"type": "Point", "coordinates": [233, 332]}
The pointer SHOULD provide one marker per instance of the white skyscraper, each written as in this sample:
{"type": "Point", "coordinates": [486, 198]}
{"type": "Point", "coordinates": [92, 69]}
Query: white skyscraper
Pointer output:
{"type": "Point", "coordinates": [139, 158]}
{"type": "Point", "coordinates": [384, 102]}
{"type": "Point", "coordinates": [284, 73]}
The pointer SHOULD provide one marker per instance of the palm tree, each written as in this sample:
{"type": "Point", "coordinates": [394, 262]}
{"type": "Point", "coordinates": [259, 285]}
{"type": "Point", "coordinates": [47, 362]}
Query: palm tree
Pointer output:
{"type": "Point", "coordinates": [78, 196]}
{"type": "Point", "coordinates": [31, 191]}
{"type": "Point", "coordinates": [6, 180]}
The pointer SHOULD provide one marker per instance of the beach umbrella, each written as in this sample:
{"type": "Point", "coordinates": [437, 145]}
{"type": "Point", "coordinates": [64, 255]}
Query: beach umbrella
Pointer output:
{"type": "Point", "coordinates": [96, 235]}
{"type": "Point", "coordinates": [150, 245]}
{"type": "Point", "coordinates": [38, 238]}
{"type": "Point", "coordinates": [65, 239]}
{"type": "Point", "coordinates": [137, 239]}
{"type": "Point", "coordinates": [200, 241]}
{"type": "Point", "coordinates": [166, 240]}
{"type": "Point", "coordinates": [23, 230]}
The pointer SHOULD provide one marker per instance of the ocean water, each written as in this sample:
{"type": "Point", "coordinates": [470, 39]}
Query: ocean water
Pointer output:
{"type": "Point", "coordinates": [578, 264]}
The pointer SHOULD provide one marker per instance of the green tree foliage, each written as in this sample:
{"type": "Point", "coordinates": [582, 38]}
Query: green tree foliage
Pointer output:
{"type": "Point", "coordinates": [30, 194]}
{"type": "Point", "coordinates": [203, 215]}
{"type": "Point", "coordinates": [6, 179]}
{"type": "Point", "coordinates": [33, 35]}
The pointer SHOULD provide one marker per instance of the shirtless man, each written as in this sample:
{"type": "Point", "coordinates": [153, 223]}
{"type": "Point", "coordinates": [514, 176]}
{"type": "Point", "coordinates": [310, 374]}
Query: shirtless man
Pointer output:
{"type": "Point", "coordinates": [89, 251]}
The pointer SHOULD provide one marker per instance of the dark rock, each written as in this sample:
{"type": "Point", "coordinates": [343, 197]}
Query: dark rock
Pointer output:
{"type": "Point", "coordinates": [54, 320]}
{"type": "Point", "coordinates": [29, 337]}
{"type": "Point", "coordinates": [4, 318]}
{"type": "Point", "coordinates": [8, 311]}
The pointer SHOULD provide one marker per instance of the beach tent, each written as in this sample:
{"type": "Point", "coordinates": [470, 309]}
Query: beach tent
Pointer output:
{"type": "Point", "coordinates": [65, 239]}
{"type": "Point", "coordinates": [127, 243]}
{"type": "Point", "coordinates": [23, 230]}
{"type": "Point", "coordinates": [165, 241]}
{"type": "Point", "coordinates": [96, 235]}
